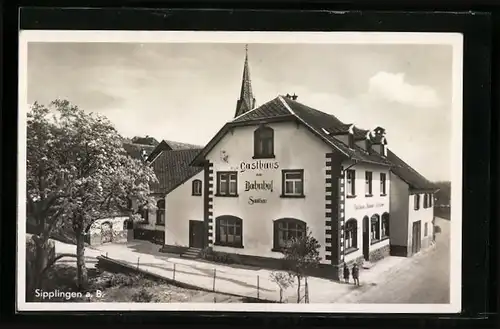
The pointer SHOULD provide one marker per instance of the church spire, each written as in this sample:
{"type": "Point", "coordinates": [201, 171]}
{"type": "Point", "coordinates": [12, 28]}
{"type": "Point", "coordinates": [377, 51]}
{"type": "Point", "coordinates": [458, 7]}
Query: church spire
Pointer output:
{"type": "Point", "coordinates": [246, 101]}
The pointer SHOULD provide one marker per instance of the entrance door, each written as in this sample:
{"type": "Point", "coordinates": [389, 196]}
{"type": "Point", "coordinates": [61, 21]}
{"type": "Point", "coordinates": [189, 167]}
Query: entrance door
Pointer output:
{"type": "Point", "coordinates": [196, 229]}
{"type": "Point", "coordinates": [366, 238]}
{"type": "Point", "coordinates": [416, 237]}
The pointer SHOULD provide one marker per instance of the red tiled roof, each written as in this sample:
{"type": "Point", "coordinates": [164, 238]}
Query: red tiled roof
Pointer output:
{"type": "Point", "coordinates": [172, 168]}
{"type": "Point", "coordinates": [325, 126]}
{"type": "Point", "coordinates": [321, 124]}
{"type": "Point", "coordinates": [167, 145]}
{"type": "Point", "coordinates": [271, 109]}
{"type": "Point", "coordinates": [404, 171]}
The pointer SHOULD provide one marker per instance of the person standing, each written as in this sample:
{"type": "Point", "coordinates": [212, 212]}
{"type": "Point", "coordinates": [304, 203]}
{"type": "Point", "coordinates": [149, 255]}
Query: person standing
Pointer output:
{"type": "Point", "coordinates": [346, 273]}
{"type": "Point", "coordinates": [355, 274]}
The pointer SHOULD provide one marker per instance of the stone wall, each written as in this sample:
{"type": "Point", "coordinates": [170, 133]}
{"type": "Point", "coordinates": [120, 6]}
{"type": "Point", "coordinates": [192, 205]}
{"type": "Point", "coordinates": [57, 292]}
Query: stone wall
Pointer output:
{"type": "Point", "coordinates": [116, 231]}
{"type": "Point", "coordinates": [380, 253]}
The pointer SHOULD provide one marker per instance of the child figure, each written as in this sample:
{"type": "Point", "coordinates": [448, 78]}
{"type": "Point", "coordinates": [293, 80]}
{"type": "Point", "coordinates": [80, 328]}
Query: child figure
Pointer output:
{"type": "Point", "coordinates": [346, 273]}
{"type": "Point", "coordinates": [355, 274]}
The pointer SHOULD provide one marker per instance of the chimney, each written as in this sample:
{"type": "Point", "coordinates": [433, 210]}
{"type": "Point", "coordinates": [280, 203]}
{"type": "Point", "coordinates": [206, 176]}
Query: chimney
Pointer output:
{"type": "Point", "coordinates": [294, 97]}
{"type": "Point", "coordinates": [379, 141]}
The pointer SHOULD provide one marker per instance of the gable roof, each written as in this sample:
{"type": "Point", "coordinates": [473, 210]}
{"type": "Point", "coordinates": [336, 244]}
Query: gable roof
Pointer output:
{"type": "Point", "coordinates": [404, 171]}
{"type": "Point", "coordinates": [167, 145]}
{"type": "Point", "coordinates": [172, 168]}
{"type": "Point", "coordinates": [323, 125]}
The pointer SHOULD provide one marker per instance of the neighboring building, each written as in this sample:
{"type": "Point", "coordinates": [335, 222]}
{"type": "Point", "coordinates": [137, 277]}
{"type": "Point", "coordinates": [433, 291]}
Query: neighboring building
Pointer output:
{"type": "Point", "coordinates": [412, 208]}
{"type": "Point", "coordinates": [165, 158]}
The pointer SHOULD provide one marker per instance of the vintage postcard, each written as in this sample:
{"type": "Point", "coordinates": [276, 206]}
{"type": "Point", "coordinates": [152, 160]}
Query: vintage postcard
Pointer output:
{"type": "Point", "coordinates": [240, 171]}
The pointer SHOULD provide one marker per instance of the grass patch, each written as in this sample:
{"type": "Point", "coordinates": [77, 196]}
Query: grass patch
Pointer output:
{"type": "Point", "coordinates": [118, 287]}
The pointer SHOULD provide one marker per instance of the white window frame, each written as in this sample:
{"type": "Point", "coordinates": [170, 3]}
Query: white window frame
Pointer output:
{"type": "Point", "coordinates": [294, 182]}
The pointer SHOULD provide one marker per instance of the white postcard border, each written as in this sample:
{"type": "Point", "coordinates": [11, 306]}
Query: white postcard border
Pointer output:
{"type": "Point", "coordinates": [453, 39]}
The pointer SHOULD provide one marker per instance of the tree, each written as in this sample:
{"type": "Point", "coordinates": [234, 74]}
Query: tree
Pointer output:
{"type": "Point", "coordinates": [283, 280]}
{"type": "Point", "coordinates": [77, 172]}
{"type": "Point", "coordinates": [301, 254]}
{"type": "Point", "coordinates": [148, 140]}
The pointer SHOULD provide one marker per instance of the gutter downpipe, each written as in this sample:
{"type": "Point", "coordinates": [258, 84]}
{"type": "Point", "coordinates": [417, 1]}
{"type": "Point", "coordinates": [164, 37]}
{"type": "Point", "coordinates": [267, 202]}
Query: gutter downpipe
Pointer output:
{"type": "Point", "coordinates": [355, 163]}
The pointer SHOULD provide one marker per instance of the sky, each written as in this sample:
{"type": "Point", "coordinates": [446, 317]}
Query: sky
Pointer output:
{"type": "Point", "coordinates": [187, 92]}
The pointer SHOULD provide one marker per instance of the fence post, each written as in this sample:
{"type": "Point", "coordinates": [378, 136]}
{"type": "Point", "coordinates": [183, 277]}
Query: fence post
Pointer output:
{"type": "Point", "coordinates": [213, 288]}
{"type": "Point", "coordinates": [257, 287]}
{"type": "Point", "coordinates": [174, 273]}
{"type": "Point", "coordinates": [138, 261]}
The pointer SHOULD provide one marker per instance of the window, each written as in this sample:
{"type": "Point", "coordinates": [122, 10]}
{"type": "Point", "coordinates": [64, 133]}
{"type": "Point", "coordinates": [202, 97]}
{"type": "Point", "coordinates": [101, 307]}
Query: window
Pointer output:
{"type": "Point", "coordinates": [197, 187]}
{"type": "Point", "coordinates": [416, 200]}
{"type": "Point", "coordinates": [160, 212]}
{"type": "Point", "coordinates": [286, 229]}
{"type": "Point", "coordinates": [292, 183]}
{"type": "Point", "coordinates": [431, 196]}
{"type": "Point", "coordinates": [351, 182]}
{"type": "Point", "coordinates": [351, 235]}
{"type": "Point", "coordinates": [375, 228]}
{"type": "Point", "coordinates": [368, 183]}
{"type": "Point", "coordinates": [426, 227]}
{"type": "Point", "coordinates": [227, 183]}
{"type": "Point", "coordinates": [229, 231]}
{"type": "Point", "coordinates": [350, 140]}
{"type": "Point", "coordinates": [426, 201]}
{"type": "Point", "coordinates": [263, 143]}
{"type": "Point", "coordinates": [385, 225]}
{"type": "Point", "coordinates": [383, 190]}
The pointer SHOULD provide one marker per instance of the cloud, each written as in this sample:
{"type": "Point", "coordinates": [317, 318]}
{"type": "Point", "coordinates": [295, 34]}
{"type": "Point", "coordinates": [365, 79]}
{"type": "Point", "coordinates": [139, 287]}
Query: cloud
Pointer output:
{"type": "Point", "coordinates": [394, 88]}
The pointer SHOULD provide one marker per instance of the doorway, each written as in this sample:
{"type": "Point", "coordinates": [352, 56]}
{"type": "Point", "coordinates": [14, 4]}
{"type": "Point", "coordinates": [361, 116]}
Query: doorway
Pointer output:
{"type": "Point", "coordinates": [196, 229]}
{"type": "Point", "coordinates": [366, 238]}
{"type": "Point", "coordinates": [416, 237]}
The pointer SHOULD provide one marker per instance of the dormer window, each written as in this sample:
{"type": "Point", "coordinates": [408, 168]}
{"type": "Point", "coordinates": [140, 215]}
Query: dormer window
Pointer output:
{"type": "Point", "coordinates": [350, 140]}
{"type": "Point", "coordinates": [368, 146]}
{"type": "Point", "coordinates": [263, 143]}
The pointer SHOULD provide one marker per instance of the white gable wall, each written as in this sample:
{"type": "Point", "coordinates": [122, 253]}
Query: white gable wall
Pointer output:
{"type": "Point", "coordinates": [295, 147]}
{"type": "Point", "coordinates": [181, 207]}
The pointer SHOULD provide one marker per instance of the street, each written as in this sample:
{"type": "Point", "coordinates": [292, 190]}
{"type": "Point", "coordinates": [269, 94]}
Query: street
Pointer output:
{"type": "Point", "coordinates": [424, 279]}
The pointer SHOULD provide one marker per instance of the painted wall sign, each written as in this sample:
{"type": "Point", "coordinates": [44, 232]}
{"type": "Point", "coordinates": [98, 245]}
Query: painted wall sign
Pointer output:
{"type": "Point", "coordinates": [252, 200]}
{"type": "Point", "coordinates": [368, 205]}
{"type": "Point", "coordinates": [259, 186]}
{"type": "Point", "coordinates": [259, 165]}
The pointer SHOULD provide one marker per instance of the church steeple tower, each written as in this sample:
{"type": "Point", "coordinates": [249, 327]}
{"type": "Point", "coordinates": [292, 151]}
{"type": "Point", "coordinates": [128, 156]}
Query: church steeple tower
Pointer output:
{"type": "Point", "coordinates": [246, 101]}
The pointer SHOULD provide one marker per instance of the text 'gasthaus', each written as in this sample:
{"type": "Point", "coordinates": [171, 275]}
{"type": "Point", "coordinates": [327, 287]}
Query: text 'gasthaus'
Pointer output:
{"type": "Point", "coordinates": [258, 165]}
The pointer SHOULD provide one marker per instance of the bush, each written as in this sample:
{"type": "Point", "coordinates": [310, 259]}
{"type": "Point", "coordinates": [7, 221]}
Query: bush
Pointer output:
{"type": "Point", "coordinates": [123, 280]}
{"type": "Point", "coordinates": [219, 257]}
{"type": "Point", "coordinates": [142, 296]}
